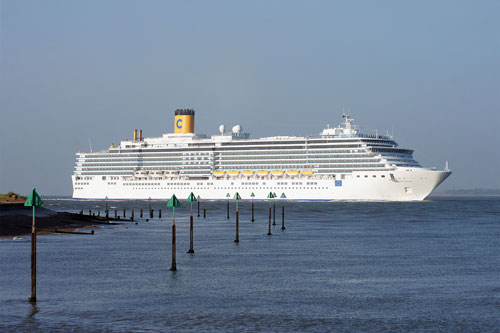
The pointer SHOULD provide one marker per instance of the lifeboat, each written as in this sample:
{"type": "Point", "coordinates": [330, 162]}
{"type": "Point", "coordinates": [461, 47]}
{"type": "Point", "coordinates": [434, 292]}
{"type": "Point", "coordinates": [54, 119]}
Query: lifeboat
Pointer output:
{"type": "Point", "coordinates": [233, 173]}
{"type": "Point", "coordinates": [263, 173]}
{"type": "Point", "coordinates": [293, 172]}
{"type": "Point", "coordinates": [308, 172]}
{"type": "Point", "coordinates": [278, 172]}
{"type": "Point", "coordinates": [248, 173]}
{"type": "Point", "coordinates": [219, 173]}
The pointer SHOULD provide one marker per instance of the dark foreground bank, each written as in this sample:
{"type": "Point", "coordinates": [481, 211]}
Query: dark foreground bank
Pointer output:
{"type": "Point", "coordinates": [16, 220]}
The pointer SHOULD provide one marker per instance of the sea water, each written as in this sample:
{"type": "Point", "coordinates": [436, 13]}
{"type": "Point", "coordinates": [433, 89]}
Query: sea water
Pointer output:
{"type": "Point", "coordinates": [338, 266]}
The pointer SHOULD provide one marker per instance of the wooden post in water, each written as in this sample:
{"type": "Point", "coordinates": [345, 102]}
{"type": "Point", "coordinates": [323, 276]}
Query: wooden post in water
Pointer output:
{"type": "Point", "coordinates": [141, 213]}
{"type": "Point", "coordinates": [159, 213]}
{"type": "Point", "coordinates": [191, 234]}
{"type": "Point", "coordinates": [204, 213]}
{"type": "Point", "coordinates": [107, 214]}
{"type": "Point", "coordinates": [191, 199]}
{"type": "Point", "coordinates": [227, 208]}
{"type": "Point", "coordinates": [198, 198]}
{"type": "Point", "coordinates": [132, 216]}
{"type": "Point", "coordinates": [150, 209]}
{"type": "Point", "coordinates": [269, 232]}
{"type": "Point", "coordinates": [90, 212]}
{"type": "Point", "coordinates": [99, 212]}
{"type": "Point", "coordinates": [33, 259]}
{"type": "Point", "coordinates": [270, 196]}
{"type": "Point", "coordinates": [173, 202]}
{"type": "Point", "coordinates": [283, 217]}
{"type": "Point", "coordinates": [116, 213]}
{"type": "Point", "coordinates": [124, 212]}
{"type": "Point", "coordinates": [252, 196]}
{"type": "Point", "coordinates": [237, 197]}
{"type": "Point", "coordinates": [173, 267]}
{"type": "Point", "coordinates": [283, 196]}
{"type": "Point", "coordinates": [33, 200]}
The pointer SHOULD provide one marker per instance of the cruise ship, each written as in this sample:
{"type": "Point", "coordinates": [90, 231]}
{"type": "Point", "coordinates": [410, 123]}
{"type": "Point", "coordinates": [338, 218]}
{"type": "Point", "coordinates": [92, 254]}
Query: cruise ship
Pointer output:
{"type": "Point", "coordinates": [340, 163]}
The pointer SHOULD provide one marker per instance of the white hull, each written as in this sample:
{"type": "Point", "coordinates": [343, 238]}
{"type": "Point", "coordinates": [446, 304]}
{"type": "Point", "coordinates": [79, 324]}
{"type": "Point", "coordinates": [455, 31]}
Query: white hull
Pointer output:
{"type": "Point", "coordinates": [402, 184]}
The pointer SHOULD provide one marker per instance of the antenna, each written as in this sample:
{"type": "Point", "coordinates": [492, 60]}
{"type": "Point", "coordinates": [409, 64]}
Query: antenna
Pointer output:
{"type": "Point", "coordinates": [90, 145]}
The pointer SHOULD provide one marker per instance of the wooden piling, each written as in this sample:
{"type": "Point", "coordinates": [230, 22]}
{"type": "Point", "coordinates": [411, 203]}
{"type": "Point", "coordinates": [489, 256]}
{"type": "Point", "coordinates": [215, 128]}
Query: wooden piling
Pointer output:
{"type": "Point", "coordinates": [269, 232]}
{"type": "Point", "coordinates": [116, 213]}
{"type": "Point", "coordinates": [99, 212]}
{"type": "Point", "coordinates": [227, 209]}
{"type": "Point", "coordinates": [237, 240]}
{"type": "Point", "coordinates": [198, 206]}
{"type": "Point", "coordinates": [283, 217]}
{"type": "Point", "coordinates": [90, 212]}
{"type": "Point", "coordinates": [151, 213]}
{"type": "Point", "coordinates": [174, 263]}
{"type": "Point", "coordinates": [132, 216]}
{"type": "Point", "coordinates": [191, 236]}
{"type": "Point", "coordinates": [253, 219]}
{"type": "Point", "coordinates": [204, 213]}
{"type": "Point", "coordinates": [159, 213]}
{"type": "Point", "coordinates": [107, 214]}
{"type": "Point", "coordinates": [141, 212]}
{"type": "Point", "coordinates": [33, 260]}
{"type": "Point", "coordinates": [124, 212]}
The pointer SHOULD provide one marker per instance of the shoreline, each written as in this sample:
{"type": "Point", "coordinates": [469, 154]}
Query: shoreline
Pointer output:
{"type": "Point", "coordinates": [20, 225]}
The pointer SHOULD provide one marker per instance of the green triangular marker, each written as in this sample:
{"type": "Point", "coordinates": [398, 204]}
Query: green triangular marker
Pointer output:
{"type": "Point", "coordinates": [274, 195]}
{"type": "Point", "coordinates": [283, 196]}
{"type": "Point", "coordinates": [237, 196]}
{"type": "Point", "coordinates": [252, 195]}
{"type": "Point", "coordinates": [270, 195]}
{"type": "Point", "coordinates": [228, 195]}
{"type": "Point", "coordinates": [173, 202]}
{"type": "Point", "coordinates": [191, 198]}
{"type": "Point", "coordinates": [34, 200]}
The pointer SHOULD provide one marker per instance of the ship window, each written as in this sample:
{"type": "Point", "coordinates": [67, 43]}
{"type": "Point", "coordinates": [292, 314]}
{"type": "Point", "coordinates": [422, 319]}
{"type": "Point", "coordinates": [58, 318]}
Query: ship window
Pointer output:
{"type": "Point", "coordinates": [374, 176]}
{"type": "Point", "coordinates": [383, 176]}
{"type": "Point", "coordinates": [366, 176]}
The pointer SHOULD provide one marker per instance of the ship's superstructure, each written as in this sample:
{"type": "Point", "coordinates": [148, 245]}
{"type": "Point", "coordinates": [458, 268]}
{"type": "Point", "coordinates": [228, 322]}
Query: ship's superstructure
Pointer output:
{"type": "Point", "coordinates": [339, 164]}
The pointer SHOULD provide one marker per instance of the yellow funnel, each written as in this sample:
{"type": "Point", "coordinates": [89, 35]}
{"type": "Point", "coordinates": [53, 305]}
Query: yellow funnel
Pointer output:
{"type": "Point", "coordinates": [184, 121]}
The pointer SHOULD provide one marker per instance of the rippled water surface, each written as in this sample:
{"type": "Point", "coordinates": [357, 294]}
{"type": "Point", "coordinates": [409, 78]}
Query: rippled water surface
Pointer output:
{"type": "Point", "coordinates": [340, 266]}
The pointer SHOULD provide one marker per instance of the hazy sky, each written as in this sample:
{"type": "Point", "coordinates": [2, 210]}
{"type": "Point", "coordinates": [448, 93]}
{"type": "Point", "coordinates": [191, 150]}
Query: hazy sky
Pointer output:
{"type": "Point", "coordinates": [74, 70]}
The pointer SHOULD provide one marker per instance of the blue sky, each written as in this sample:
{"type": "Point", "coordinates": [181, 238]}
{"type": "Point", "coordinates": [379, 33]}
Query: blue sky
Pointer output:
{"type": "Point", "coordinates": [74, 70]}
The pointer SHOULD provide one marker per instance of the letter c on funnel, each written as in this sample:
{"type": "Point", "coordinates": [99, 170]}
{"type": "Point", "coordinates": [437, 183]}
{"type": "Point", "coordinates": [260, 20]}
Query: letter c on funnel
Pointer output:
{"type": "Point", "coordinates": [179, 123]}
